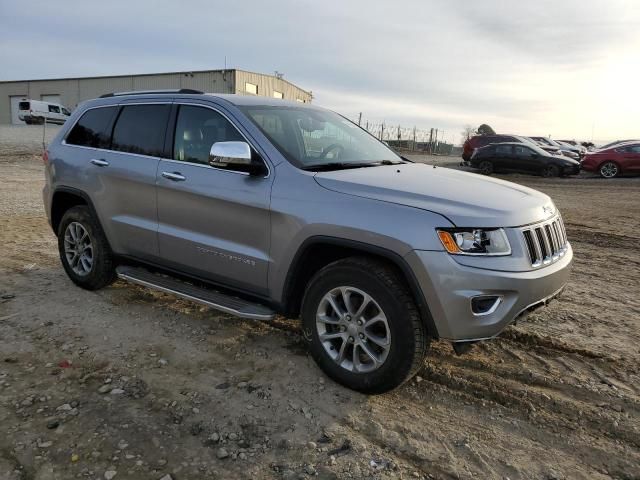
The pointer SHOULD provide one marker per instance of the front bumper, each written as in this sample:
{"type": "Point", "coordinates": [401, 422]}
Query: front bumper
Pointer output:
{"type": "Point", "coordinates": [571, 170]}
{"type": "Point", "coordinates": [448, 288]}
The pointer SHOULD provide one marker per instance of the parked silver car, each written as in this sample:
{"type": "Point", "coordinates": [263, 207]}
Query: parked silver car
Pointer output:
{"type": "Point", "coordinates": [259, 207]}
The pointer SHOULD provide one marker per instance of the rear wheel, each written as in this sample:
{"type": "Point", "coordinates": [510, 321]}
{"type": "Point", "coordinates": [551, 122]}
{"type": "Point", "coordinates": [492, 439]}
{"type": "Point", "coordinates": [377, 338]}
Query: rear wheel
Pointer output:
{"type": "Point", "coordinates": [550, 171]}
{"type": "Point", "coordinates": [84, 251]}
{"type": "Point", "coordinates": [486, 167]}
{"type": "Point", "coordinates": [609, 170]}
{"type": "Point", "coordinates": [362, 325]}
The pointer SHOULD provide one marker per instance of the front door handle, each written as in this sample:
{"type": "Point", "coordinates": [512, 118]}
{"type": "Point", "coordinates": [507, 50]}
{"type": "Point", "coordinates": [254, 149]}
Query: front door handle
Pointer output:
{"type": "Point", "coordinates": [175, 176]}
{"type": "Point", "coordinates": [100, 163]}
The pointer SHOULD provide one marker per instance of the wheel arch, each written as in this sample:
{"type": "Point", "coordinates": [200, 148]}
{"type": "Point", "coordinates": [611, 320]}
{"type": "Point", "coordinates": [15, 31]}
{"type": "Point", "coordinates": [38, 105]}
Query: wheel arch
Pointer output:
{"type": "Point", "coordinates": [317, 252]}
{"type": "Point", "coordinates": [65, 198]}
{"type": "Point", "coordinates": [609, 160]}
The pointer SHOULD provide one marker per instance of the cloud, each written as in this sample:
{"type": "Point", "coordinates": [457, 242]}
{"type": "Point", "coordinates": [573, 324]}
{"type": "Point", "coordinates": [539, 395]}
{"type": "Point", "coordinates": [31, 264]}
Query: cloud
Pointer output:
{"type": "Point", "coordinates": [540, 67]}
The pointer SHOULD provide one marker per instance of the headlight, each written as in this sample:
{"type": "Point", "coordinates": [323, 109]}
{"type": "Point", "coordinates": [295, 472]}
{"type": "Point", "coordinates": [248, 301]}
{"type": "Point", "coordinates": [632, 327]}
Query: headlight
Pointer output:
{"type": "Point", "coordinates": [475, 241]}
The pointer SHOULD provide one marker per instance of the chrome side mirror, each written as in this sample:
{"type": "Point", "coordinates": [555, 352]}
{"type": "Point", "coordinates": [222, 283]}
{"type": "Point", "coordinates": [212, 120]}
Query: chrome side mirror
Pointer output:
{"type": "Point", "coordinates": [223, 154]}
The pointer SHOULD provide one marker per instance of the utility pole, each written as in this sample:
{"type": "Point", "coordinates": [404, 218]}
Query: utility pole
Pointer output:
{"type": "Point", "coordinates": [414, 138]}
{"type": "Point", "coordinates": [359, 118]}
{"type": "Point", "coordinates": [430, 140]}
{"type": "Point", "coordinates": [381, 131]}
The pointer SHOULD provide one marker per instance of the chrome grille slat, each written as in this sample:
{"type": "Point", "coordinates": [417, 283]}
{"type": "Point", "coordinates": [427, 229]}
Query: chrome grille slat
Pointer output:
{"type": "Point", "coordinates": [546, 241]}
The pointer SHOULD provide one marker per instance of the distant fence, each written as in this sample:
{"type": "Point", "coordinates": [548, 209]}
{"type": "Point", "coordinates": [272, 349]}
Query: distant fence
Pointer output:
{"type": "Point", "coordinates": [410, 139]}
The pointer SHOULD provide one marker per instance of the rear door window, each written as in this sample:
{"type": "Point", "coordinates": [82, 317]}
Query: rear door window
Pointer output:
{"type": "Point", "coordinates": [140, 129]}
{"type": "Point", "coordinates": [23, 106]}
{"type": "Point", "coordinates": [503, 149]}
{"type": "Point", "coordinates": [523, 151]}
{"type": "Point", "coordinates": [93, 129]}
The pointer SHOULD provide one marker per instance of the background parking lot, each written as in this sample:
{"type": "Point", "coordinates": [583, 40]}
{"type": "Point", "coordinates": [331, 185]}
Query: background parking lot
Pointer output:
{"type": "Point", "coordinates": [136, 382]}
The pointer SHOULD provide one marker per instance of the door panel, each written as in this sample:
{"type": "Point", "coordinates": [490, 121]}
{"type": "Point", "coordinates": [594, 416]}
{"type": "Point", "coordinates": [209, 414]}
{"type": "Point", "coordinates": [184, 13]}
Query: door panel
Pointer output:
{"type": "Point", "coordinates": [126, 199]}
{"type": "Point", "coordinates": [213, 223]}
{"type": "Point", "coordinates": [523, 161]}
{"type": "Point", "coordinates": [631, 159]}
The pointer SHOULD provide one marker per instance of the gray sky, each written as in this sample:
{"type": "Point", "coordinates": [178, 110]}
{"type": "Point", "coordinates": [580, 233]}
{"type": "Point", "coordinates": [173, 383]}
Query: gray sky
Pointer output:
{"type": "Point", "coordinates": [560, 67]}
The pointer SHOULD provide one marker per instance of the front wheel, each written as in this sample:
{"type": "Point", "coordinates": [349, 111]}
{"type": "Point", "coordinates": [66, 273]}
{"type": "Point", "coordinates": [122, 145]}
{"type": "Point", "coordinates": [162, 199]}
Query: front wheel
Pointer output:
{"type": "Point", "coordinates": [486, 167]}
{"type": "Point", "coordinates": [609, 170]}
{"type": "Point", "coordinates": [84, 251]}
{"type": "Point", "coordinates": [362, 325]}
{"type": "Point", "coordinates": [551, 171]}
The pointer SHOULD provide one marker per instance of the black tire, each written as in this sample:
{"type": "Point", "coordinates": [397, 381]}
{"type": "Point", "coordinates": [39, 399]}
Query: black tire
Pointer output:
{"type": "Point", "coordinates": [486, 167]}
{"type": "Point", "coordinates": [102, 271]}
{"type": "Point", "coordinates": [28, 122]}
{"type": "Point", "coordinates": [408, 336]}
{"type": "Point", "coordinates": [550, 171]}
{"type": "Point", "coordinates": [609, 169]}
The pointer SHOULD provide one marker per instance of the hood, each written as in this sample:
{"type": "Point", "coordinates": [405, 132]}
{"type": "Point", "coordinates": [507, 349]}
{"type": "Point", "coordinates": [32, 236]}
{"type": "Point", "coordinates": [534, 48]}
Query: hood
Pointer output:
{"type": "Point", "coordinates": [467, 199]}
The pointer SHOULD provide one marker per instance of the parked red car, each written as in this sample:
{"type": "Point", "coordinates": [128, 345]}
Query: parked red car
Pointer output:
{"type": "Point", "coordinates": [614, 161]}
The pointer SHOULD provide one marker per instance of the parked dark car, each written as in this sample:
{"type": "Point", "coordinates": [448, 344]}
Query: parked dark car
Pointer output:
{"type": "Point", "coordinates": [479, 141]}
{"type": "Point", "coordinates": [614, 161]}
{"type": "Point", "coordinates": [519, 157]}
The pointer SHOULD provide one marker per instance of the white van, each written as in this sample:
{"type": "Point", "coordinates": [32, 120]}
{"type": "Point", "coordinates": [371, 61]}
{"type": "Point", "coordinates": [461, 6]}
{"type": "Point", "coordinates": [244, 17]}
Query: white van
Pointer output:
{"type": "Point", "coordinates": [37, 111]}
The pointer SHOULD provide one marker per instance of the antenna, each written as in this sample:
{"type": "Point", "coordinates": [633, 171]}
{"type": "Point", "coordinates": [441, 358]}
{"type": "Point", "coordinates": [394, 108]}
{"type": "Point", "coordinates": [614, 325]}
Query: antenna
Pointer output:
{"type": "Point", "coordinates": [278, 75]}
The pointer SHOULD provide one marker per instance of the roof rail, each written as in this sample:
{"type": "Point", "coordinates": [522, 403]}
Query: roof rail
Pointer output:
{"type": "Point", "coordinates": [153, 92]}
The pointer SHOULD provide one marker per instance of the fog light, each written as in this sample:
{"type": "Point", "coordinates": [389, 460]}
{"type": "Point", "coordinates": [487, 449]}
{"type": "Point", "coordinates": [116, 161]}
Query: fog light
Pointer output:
{"type": "Point", "coordinates": [485, 304]}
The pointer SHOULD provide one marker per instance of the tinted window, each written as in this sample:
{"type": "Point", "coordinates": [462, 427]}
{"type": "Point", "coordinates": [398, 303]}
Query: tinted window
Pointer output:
{"type": "Point", "coordinates": [523, 151]}
{"type": "Point", "coordinates": [140, 129]}
{"type": "Point", "coordinates": [635, 149]}
{"type": "Point", "coordinates": [93, 129]}
{"type": "Point", "coordinates": [23, 106]}
{"type": "Point", "coordinates": [54, 109]}
{"type": "Point", "coordinates": [66, 112]}
{"type": "Point", "coordinates": [197, 129]}
{"type": "Point", "coordinates": [504, 149]}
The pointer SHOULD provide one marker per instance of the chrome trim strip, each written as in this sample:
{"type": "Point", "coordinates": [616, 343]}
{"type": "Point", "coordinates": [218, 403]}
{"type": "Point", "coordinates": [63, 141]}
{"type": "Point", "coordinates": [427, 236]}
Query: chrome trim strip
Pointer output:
{"type": "Point", "coordinates": [181, 162]}
{"type": "Point", "coordinates": [222, 308]}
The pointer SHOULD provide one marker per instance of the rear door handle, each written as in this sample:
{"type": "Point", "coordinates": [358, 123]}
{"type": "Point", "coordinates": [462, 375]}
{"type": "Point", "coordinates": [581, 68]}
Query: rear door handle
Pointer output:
{"type": "Point", "coordinates": [100, 163]}
{"type": "Point", "coordinates": [175, 176]}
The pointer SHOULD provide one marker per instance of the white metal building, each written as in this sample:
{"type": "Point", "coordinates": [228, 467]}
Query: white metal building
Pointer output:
{"type": "Point", "coordinates": [71, 91]}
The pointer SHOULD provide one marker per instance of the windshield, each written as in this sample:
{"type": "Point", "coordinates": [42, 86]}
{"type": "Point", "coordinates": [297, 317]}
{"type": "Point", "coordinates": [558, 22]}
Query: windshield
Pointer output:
{"type": "Point", "coordinates": [311, 138]}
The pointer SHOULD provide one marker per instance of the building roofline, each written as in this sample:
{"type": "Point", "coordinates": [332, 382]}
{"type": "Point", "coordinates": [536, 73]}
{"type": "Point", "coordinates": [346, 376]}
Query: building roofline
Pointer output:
{"type": "Point", "coordinates": [96, 77]}
{"type": "Point", "coordinates": [182, 72]}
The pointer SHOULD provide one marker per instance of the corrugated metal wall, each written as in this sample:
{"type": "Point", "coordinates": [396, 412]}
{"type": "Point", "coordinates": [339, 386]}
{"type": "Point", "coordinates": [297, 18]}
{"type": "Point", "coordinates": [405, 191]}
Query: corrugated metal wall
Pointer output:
{"type": "Point", "coordinates": [74, 91]}
{"type": "Point", "coordinates": [267, 84]}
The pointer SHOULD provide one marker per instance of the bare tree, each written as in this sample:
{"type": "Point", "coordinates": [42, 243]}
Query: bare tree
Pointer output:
{"type": "Point", "coordinates": [467, 133]}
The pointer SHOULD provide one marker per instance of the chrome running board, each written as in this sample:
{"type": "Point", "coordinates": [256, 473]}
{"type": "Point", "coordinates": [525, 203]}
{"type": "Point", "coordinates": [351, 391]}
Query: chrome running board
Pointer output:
{"type": "Point", "coordinates": [205, 296]}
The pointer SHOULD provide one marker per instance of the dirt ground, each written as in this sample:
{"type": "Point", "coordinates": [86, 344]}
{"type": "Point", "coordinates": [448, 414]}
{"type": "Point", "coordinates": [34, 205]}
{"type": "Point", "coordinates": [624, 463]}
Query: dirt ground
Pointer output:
{"type": "Point", "coordinates": [127, 383]}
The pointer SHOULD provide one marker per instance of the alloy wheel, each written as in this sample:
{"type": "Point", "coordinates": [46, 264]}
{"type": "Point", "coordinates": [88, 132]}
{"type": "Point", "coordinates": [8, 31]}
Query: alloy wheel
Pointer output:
{"type": "Point", "coordinates": [78, 249]}
{"type": "Point", "coordinates": [609, 170]}
{"type": "Point", "coordinates": [353, 329]}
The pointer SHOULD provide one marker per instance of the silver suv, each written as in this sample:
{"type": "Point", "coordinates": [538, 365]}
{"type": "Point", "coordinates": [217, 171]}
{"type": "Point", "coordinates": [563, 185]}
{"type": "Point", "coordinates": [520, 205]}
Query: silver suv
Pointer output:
{"type": "Point", "coordinates": [257, 207]}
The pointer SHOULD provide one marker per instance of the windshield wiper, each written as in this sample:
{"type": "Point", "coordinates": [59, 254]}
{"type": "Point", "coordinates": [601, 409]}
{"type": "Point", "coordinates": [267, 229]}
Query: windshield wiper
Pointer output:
{"type": "Point", "coordinates": [318, 167]}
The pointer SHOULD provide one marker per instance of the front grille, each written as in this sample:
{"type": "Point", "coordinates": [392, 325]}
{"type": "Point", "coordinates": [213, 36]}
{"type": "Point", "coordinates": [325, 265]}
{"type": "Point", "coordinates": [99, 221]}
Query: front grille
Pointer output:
{"type": "Point", "coordinates": [546, 242]}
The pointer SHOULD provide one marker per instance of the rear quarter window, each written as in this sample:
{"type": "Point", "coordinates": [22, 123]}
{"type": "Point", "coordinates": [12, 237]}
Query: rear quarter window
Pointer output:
{"type": "Point", "coordinates": [140, 129]}
{"type": "Point", "coordinates": [93, 129]}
